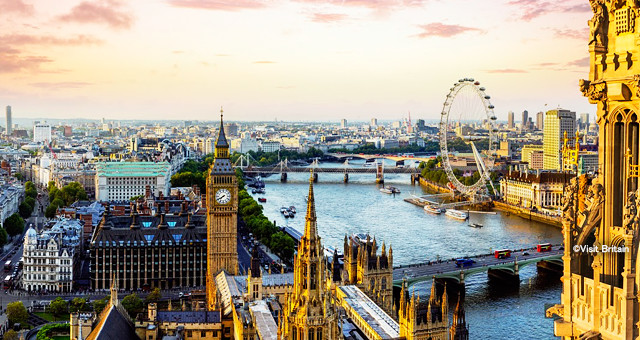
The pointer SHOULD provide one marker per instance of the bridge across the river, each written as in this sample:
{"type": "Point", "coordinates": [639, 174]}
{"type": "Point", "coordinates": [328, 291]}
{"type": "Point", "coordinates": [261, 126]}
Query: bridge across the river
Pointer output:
{"type": "Point", "coordinates": [284, 167]}
{"type": "Point", "coordinates": [484, 263]}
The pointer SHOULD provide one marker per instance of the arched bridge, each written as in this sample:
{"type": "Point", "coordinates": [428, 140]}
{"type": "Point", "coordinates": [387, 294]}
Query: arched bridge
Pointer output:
{"type": "Point", "coordinates": [284, 167]}
{"type": "Point", "coordinates": [506, 267]}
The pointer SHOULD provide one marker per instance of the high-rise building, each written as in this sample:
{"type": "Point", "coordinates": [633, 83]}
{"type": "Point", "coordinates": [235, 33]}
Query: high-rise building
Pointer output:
{"type": "Point", "coordinates": [374, 121]}
{"type": "Point", "coordinates": [222, 217]}
{"type": "Point", "coordinates": [510, 116]}
{"type": "Point", "coordinates": [540, 120]}
{"type": "Point", "coordinates": [525, 120]}
{"type": "Point", "coordinates": [343, 123]}
{"type": "Point", "coordinates": [556, 124]}
{"type": "Point", "coordinates": [584, 120]}
{"type": "Point", "coordinates": [9, 123]}
{"type": "Point", "coordinates": [42, 133]}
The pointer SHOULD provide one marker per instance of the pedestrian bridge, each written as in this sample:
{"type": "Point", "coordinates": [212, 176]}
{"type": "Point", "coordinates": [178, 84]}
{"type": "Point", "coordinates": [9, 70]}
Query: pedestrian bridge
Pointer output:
{"type": "Point", "coordinates": [506, 268]}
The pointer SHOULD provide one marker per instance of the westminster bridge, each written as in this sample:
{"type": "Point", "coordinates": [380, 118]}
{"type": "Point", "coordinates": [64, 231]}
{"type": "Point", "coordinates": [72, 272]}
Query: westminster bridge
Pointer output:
{"type": "Point", "coordinates": [503, 269]}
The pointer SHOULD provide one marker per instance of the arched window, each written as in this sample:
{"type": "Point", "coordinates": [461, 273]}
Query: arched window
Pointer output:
{"type": "Point", "coordinates": [384, 283]}
{"type": "Point", "coordinates": [304, 277]}
{"type": "Point", "coordinates": [313, 276]}
{"type": "Point", "coordinates": [372, 284]}
{"type": "Point", "coordinates": [294, 333]}
{"type": "Point", "coordinates": [311, 333]}
{"type": "Point", "coordinates": [319, 334]}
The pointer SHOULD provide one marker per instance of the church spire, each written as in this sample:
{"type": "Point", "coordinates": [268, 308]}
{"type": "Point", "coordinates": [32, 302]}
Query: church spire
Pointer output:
{"type": "Point", "coordinates": [310, 229]}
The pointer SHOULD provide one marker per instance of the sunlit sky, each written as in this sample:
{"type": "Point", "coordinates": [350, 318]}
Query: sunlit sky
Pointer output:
{"type": "Point", "coordinates": [287, 59]}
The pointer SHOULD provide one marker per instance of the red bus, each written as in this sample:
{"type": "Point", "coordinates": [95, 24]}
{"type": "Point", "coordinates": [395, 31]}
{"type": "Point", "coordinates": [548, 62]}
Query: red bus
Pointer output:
{"type": "Point", "coordinates": [544, 247]}
{"type": "Point", "coordinates": [500, 254]}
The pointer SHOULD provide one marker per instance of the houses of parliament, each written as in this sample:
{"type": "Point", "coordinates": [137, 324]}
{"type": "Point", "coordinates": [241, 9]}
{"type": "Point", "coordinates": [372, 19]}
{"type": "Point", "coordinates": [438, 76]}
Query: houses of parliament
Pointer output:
{"type": "Point", "coordinates": [321, 300]}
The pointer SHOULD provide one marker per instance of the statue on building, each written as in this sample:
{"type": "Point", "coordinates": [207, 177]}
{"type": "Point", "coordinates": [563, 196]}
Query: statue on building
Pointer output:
{"type": "Point", "coordinates": [597, 24]}
{"type": "Point", "coordinates": [631, 211]}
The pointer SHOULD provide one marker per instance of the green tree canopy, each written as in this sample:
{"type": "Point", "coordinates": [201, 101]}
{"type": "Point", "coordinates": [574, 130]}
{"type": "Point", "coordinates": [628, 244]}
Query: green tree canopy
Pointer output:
{"type": "Point", "coordinates": [11, 335]}
{"type": "Point", "coordinates": [59, 306]}
{"type": "Point", "coordinates": [14, 225]}
{"type": "Point", "coordinates": [17, 313]}
{"type": "Point", "coordinates": [133, 304]}
{"type": "Point", "coordinates": [155, 295]}
{"type": "Point", "coordinates": [25, 209]}
{"type": "Point", "coordinates": [98, 305]}
{"type": "Point", "coordinates": [77, 304]}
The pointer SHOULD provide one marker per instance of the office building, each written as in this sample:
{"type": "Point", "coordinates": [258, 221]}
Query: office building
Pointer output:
{"type": "Point", "coordinates": [510, 117]}
{"type": "Point", "coordinates": [119, 181]}
{"type": "Point", "coordinates": [556, 124]}
{"type": "Point", "coordinates": [9, 123]}
{"type": "Point", "coordinates": [343, 123]}
{"type": "Point", "coordinates": [540, 120]}
{"type": "Point", "coordinates": [525, 120]}
{"type": "Point", "coordinates": [42, 133]}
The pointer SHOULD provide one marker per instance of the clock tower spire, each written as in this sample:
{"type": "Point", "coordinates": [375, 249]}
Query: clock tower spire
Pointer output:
{"type": "Point", "coordinates": [222, 216]}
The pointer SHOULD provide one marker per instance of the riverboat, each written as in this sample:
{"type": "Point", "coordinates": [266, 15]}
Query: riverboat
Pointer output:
{"type": "Point", "coordinates": [432, 209]}
{"type": "Point", "coordinates": [457, 214]}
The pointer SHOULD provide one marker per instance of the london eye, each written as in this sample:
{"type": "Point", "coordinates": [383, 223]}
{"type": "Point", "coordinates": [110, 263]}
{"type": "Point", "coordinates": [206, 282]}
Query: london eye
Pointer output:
{"type": "Point", "coordinates": [467, 125]}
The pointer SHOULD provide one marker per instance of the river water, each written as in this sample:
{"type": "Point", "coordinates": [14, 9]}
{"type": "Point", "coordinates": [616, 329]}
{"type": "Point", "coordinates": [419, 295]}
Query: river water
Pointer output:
{"type": "Point", "coordinates": [416, 236]}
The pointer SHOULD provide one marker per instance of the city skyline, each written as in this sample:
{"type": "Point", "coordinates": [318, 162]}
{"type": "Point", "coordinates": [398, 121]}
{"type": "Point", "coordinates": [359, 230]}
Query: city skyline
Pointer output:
{"type": "Point", "coordinates": [267, 60]}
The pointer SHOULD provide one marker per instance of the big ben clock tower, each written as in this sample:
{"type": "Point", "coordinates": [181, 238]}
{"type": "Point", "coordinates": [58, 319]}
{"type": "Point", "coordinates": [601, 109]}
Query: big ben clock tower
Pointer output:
{"type": "Point", "coordinates": [222, 216]}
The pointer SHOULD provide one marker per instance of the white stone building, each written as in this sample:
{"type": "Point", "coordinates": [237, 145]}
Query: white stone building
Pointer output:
{"type": "Point", "coordinates": [48, 257]}
{"type": "Point", "coordinates": [10, 197]}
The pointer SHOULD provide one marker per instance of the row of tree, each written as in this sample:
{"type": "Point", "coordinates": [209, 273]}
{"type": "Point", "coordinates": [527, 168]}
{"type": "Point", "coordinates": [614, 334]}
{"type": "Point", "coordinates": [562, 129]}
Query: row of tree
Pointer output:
{"type": "Point", "coordinates": [433, 171]}
{"type": "Point", "coordinates": [264, 230]}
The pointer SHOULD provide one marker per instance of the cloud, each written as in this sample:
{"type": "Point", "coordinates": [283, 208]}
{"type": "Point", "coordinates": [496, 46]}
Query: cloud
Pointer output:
{"type": "Point", "coordinates": [582, 62]}
{"type": "Point", "coordinates": [438, 29]}
{"type": "Point", "coordinates": [371, 4]}
{"type": "Point", "coordinates": [581, 34]}
{"type": "Point", "coordinates": [60, 85]}
{"type": "Point", "coordinates": [107, 12]}
{"type": "Point", "coordinates": [327, 17]}
{"type": "Point", "coordinates": [16, 7]}
{"type": "Point", "coordinates": [264, 62]}
{"type": "Point", "coordinates": [531, 9]}
{"type": "Point", "coordinates": [219, 5]}
{"type": "Point", "coordinates": [506, 70]}
{"type": "Point", "coordinates": [26, 39]}
{"type": "Point", "coordinates": [10, 62]}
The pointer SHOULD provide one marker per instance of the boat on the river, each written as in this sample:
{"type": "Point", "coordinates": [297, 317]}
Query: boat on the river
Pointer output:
{"type": "Point", "coordinates": [475, 225]}
{"type": "Point", "coordinates": [262, 200]}
{"type": "Point", "coordinates": [457, 214]}
{"type": "Point", "coordinates": [432, 209]}
{"type": "Point", "coordinates": [292, 209]}
{"type": "Point", "coordinates": [390, 190]}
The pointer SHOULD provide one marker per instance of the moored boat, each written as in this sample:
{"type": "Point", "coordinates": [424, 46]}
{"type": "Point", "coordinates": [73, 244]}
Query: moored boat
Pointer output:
{"type": "Point", "coordinates": [457, 214]}
{"type": "Point", "coordinates": [432, 209]}
{"type": "Point", "coordinates": [262, 200]}
{"type": "Point", "coordinates": [475, 225]}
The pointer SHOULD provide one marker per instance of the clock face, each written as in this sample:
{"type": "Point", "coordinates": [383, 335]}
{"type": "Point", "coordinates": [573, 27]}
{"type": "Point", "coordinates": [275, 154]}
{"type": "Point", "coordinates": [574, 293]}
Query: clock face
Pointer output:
{"type": "Point", "coordinates": [223, 196]}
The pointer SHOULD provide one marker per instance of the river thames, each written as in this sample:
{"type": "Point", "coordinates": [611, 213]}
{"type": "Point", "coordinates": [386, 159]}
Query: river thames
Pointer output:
{"type": "Point", "coordinates": [492, 312]}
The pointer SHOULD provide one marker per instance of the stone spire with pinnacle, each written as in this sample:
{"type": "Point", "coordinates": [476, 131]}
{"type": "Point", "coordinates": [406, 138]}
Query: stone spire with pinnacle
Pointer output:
{"type": "Point", "coordinates": [221, 141]}
{"type": "Point", "coordinates": [459, 329]}
{"type": "Point", "coordinates": [310, 229]}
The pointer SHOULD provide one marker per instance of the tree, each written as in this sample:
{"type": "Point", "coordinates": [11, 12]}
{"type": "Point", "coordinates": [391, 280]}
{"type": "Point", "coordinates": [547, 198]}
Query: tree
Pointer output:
{"type": "Point", "coordinates": [30, 201]}
{"type": "Point", "coordinates": [18, 176]}
{"type": "Point", "coordinates": [25, 209]}
{"type": "Point", "coordinates": [133, 304]}
{"type": "Point", "coordinates": [14, 225]}
{"type": "Point", "coordinates": [98, 305]}
{"type": "Point", "coordinates": [50, 212]}
{"type": "Point", "coordinates": [3, 237]}
{"type": "Point", "coordinates": [77, 305]}
{"type": "Point", "coordinates": [11, 335]}
{"type": "Point", "coordinates": [17, 313]}
{"type": "Point", "coordinates": [58, 306]}
{"type": "Point", "coordinates": [154, 296]}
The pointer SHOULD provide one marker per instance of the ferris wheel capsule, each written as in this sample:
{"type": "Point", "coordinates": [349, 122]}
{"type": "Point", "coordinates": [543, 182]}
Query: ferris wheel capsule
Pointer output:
{"type": "Point", "coordinates": [491, 107]}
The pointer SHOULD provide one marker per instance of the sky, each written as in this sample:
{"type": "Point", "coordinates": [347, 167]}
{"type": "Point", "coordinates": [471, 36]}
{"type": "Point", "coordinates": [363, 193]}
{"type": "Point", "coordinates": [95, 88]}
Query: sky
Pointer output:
{"type": "Point", "coordinates": [292, 60]}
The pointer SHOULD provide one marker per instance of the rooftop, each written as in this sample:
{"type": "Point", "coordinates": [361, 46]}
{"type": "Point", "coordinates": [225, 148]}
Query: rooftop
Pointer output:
{"type": "Point", "coordinates": [371, 313]}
